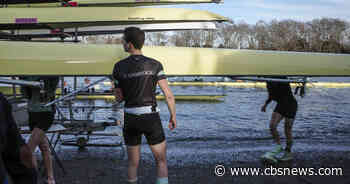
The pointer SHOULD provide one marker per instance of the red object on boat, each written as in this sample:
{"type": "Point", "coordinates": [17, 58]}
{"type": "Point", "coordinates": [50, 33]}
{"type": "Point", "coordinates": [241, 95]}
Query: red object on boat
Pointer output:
{"type": "Point", "coordinates": [71, 4]}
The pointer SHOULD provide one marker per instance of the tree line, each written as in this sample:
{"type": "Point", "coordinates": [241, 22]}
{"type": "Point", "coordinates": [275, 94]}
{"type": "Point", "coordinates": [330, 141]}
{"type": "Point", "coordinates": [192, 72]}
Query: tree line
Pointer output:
{"type": "Point", "coordinates": [319, 35]}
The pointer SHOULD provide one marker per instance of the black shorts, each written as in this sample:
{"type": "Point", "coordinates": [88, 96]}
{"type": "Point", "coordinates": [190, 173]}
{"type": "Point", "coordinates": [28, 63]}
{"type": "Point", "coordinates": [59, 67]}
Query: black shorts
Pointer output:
{"type": "Point", "coordinates": [148, 124]}
{"type": "Point", "coordinates": [287, 108]}
{"type": "Point", "coordinates": [41, 120]}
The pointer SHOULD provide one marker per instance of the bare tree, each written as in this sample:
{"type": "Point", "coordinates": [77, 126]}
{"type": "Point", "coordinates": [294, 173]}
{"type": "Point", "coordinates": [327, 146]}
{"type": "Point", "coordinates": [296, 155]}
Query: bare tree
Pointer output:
{"type": "Point", "coordinates": [262, 35]}
{"type": "Point", "coordinates": [318, 35]}
{"type": "Point", "coordinates": [209, 38]}
{"type": "Point", "coordinates": [327, 35]}
{"type": "Point", "coordinates": [193, 38]}
{"type": "Point", "coordinates": [157, 38]}
{"type": "Point", "coordinates": [226, 33]}
{"type": "Point", "coordinates": [242, 35]}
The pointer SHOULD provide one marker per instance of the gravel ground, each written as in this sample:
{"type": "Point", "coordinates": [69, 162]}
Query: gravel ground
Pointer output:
{"type": "Point", "coordinates": [194, 163]}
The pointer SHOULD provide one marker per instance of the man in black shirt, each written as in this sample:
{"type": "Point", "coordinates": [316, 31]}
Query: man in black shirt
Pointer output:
{"type": "Point", "coordinates": [15, 155]}
{"type": "Point", "coordinates": [135, 80]}
{"type": "Point", "coordinates": [286, 108]}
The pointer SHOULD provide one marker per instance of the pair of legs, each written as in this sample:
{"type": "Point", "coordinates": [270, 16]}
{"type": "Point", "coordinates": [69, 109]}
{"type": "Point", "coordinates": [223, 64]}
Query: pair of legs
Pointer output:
{"type": "Point", "coordinates": [38, 138]}
{"type": "Point", "coordinates": [276, 118]}
{"type": "Point", "coordinates": [159, 153]}
{"type": "Point", "coordinates": [150, 126]}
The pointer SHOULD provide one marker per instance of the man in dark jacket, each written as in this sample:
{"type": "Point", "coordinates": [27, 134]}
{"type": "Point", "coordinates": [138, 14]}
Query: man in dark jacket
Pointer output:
{"type": "Point", "coordinates": [15, 155]}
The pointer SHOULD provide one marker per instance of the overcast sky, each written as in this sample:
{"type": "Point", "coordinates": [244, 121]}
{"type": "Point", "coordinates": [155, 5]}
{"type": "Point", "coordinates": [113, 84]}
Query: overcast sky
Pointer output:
{"type": "Point", "coordinates": [252, 11]}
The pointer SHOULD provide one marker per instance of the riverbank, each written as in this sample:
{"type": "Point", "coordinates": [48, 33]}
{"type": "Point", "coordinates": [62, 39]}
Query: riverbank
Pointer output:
{"type": "Point", "coordinates": [196, 164]}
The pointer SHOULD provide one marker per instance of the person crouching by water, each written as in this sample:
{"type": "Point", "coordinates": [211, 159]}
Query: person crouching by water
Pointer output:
{"type": "Point", "coordinates": [41, 118]}
{"type": "Point", "coordinates": [135, 80]}
{"type": "Point", "coordinates": [286, 109]}
{"type": "Point", "coordinates": [15, 155]}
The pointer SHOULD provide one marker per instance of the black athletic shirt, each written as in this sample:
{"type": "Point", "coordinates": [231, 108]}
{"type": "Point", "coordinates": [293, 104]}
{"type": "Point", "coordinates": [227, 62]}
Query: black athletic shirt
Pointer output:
{"type": "Point", "coordinates": [279, 91]}
{"type": "Point", "coordinates": [137, 76]}
{"type": "Point", "coordinates": [10, 138]}
{"type": "Point", "coordinates": [9, 134]}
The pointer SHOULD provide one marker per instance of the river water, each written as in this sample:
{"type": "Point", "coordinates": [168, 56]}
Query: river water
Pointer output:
{"type": "Point", "coordinates": [323, 118]}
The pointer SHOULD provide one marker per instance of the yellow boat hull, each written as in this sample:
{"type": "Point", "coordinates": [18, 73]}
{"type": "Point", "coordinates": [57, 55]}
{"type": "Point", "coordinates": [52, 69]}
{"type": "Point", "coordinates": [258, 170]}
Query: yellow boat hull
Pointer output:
{"type": "Point", "coordinates": [117, 3]}
{"type": "Point", "coordinates": [44, 18]}
{"type": "Point", "coordinates": [66, 59]}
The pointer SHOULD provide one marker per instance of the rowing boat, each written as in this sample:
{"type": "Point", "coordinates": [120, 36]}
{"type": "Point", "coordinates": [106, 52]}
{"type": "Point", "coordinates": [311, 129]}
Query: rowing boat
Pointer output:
{"type": "Point", "coordinates": [74, 17]}
{"type": "Point", "coordinates": [67, 59]}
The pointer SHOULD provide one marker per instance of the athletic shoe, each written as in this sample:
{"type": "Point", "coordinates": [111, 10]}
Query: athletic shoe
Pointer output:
{"type": "Point", "coordinates": [271, 155]}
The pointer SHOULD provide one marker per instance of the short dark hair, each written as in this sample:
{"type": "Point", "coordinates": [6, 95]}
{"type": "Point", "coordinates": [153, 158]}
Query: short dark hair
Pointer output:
{"type": "Point", "coordinates": [134, 35]}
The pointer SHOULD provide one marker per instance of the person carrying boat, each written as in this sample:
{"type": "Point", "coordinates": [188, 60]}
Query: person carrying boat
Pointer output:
{"type": "Point", "coordinates": [135, 79]}
{"type": "Point", "coordinates": [286, 109]}
{"type": "Point", "coordinates": [41, 118]}
{"type": "Point", "coordinates": [15, 155]}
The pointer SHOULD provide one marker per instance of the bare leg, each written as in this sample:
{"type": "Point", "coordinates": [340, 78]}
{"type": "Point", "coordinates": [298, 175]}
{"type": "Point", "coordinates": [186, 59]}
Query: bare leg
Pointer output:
{"type": "Point", "coordinates": [159, 153]}
{"type": "Point", "coordinates": [38, 138]}
{"type": "Point", "coordinates": [34, 140]}
{"type": "Point", "coordinates": [288, 125]}
{"type": "Point", "coordinates": [275, 120]}
{"type": "Point", "coordinates": [133, 162]}
{"type": "Point", "coordinates": [46, 153]}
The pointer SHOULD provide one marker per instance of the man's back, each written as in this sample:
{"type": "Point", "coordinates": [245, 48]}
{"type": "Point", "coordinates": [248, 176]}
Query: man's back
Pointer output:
{"type": "Point", "coordinates": [279, 91]}
{"type": "Point", "coordinates": [137, 76]}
